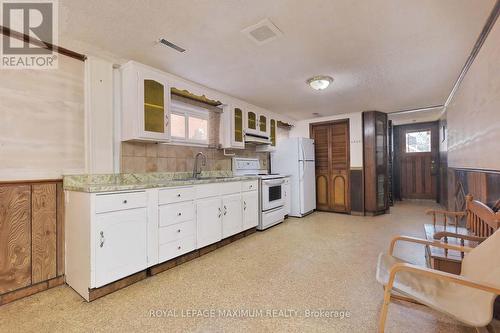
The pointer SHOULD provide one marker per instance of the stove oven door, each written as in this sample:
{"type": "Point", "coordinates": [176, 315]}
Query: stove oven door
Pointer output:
{"type": "Point", "coordinates": [272, 193]}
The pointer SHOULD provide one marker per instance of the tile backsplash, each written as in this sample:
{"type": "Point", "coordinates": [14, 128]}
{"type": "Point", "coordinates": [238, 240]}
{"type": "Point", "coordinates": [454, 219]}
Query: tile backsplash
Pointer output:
{"type": "Point", "coordinates": [152, 157]}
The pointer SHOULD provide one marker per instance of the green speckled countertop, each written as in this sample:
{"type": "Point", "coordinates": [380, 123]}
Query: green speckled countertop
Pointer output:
{"type": "Point", "coordinates": [133, 181]}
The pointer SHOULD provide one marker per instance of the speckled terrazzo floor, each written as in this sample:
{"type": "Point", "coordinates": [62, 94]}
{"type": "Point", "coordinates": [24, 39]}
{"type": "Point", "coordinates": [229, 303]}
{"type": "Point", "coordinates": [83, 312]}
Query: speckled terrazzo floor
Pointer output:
{"type": "Point", "coordinates": [324, 261]}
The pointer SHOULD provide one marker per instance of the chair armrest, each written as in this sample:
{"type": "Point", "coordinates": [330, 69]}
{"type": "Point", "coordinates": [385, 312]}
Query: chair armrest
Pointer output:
{"type": "Point", "coordinates": [445, 212]}
{"type": "Point", "coordinates": [427, 242]}
{"type": "Point", "coordinates": [441, 234]}
{"type": "Point", "coordinates": [458, 279]}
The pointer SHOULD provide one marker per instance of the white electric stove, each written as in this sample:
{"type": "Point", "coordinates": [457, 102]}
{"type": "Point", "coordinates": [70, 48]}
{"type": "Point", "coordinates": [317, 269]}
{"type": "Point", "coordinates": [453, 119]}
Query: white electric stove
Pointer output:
{"type": "Point", "coordinates": [271, 191]}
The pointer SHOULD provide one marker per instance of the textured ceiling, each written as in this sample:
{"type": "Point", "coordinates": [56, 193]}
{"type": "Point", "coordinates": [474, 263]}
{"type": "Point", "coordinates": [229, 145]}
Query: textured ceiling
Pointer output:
{"type": "Point", "coordinates": [385, 55]}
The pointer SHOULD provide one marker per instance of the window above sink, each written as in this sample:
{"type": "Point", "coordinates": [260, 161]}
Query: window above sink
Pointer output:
{"type": "Point", "coordinates": [189, 123]}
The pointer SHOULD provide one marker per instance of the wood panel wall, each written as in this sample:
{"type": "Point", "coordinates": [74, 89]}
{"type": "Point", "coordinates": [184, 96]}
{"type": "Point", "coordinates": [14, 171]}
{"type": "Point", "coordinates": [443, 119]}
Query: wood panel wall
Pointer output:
{"type": "Point", "coordinates": [483, 185]}
{"type": "Point", "coordinates": [31, 238]}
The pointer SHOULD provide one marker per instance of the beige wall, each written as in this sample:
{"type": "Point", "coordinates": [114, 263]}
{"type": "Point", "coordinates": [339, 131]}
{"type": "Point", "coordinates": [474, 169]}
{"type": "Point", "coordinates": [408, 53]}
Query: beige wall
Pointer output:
{"type": "Point", "coordinates": [473, 116]}
{"type": "Point", "coordinates": [42, 122]}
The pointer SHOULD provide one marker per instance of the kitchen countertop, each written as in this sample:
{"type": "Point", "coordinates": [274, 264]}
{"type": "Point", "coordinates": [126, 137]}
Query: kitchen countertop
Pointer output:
{"type": "Point", "coordinates": [134, 181]}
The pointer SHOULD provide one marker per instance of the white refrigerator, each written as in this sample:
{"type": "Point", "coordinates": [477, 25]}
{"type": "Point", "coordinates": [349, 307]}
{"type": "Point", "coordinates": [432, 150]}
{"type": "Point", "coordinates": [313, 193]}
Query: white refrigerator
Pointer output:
{"type": "Point", "coordinates": [295, 157]}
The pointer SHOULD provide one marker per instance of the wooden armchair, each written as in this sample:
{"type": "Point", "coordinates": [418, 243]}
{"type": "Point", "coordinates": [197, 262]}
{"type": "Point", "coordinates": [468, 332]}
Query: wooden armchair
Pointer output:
{"type": "Point", "coordinates": [481, 222]}
{"type": "Point", "coordinates": [478, 283]}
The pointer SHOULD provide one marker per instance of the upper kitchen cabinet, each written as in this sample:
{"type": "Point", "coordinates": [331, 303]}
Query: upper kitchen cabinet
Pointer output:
{"type": "Point", "coordinates": [256, 123]}
{"type": "Point", "coordinates": [145, 104]}
{"type": "Point", "coordinates": [272, 130]}
{"type": "Point", "coordinates": [263, 126]}
{"type": "Point", "coordinates": [251, 121]}
{"type": "Point", "coordinates": [231, 128]}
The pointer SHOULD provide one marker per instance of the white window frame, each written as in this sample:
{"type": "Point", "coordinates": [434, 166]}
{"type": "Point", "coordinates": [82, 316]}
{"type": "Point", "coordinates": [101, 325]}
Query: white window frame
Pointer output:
{"type": "Point", "coordinates": [187, 110]}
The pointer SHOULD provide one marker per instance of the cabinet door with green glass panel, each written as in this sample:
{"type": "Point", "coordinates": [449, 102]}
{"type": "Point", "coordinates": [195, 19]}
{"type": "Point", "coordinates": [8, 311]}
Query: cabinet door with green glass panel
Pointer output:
{"type": "Point", "coordinates": [154, 106]}
{"type": "Point", "coordinates": [237, 139]}
{"type": "Point", "coordinates": [272, 135]}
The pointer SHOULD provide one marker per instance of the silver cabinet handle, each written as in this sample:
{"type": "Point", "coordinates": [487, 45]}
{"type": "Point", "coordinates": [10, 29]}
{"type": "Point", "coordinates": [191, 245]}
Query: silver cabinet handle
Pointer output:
{"type": "Point", "coordinates": [220, 212]}
{"type": "Point", "coordinates": [225, 210]}
{"type": "Point", "coordinates": [244, 205]}
{"type": "Point", "coordinates": [101, 244]}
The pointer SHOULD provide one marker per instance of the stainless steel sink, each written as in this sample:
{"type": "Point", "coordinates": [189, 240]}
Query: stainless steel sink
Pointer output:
{"type": "Point", "coordinates": [199, 178]}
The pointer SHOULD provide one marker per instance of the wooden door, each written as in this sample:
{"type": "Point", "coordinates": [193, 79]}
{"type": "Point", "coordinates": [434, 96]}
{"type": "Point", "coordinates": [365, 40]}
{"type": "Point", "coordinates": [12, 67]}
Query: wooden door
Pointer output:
{"type": "Point", "coordinates": [331, 141]}
{"type": "Point", "coordinates": [419, 154]}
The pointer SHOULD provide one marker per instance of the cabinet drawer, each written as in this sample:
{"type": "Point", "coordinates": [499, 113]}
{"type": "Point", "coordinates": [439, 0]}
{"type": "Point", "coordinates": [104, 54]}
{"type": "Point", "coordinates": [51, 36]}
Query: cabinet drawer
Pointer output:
{"type": "Point", "coordinates": [176, 248]}
{"type": "Point", "coordinates": [251, 185]}
{"type": "Point", "coordinates": [120, 201]}
{"type": "Point", "coordinates": [229, 188]}
{"type": "Point", "coordinates": [176, 213]}
{"type": "Point", "coordinates": [177, 231]}
{"type": "Point", "coordinates": [207, 190]}
{"type": "Point", "coordinates": [172, 195]}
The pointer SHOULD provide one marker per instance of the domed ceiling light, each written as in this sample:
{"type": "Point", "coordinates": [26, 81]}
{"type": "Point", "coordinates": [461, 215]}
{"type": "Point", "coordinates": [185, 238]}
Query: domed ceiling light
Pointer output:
{"type": "Point", "coordinates": [320, 82]}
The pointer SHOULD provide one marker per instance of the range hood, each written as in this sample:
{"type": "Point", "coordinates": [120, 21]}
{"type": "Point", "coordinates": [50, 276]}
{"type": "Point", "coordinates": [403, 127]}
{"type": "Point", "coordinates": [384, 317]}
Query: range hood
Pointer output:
{"type": "Point", "coordinates": [257, 139]}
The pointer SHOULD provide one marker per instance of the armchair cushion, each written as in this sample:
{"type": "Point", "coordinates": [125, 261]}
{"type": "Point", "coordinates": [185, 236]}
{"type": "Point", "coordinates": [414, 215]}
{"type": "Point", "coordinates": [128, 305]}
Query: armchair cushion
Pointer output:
{"type": "Point", "coordinates": [470, 306]}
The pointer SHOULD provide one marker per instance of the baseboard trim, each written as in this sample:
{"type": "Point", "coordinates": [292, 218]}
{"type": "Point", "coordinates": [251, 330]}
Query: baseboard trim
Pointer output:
{"type": "Point", "coordinates": [31, 290]}
{"type": "Point", "coordinates": [164, 266]}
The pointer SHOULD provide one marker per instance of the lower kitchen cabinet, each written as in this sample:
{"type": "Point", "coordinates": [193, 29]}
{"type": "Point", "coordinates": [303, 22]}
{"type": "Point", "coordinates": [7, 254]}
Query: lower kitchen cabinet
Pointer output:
{"type": "Point", "coordinates": [110, 236]}
{"type": "Point", "coordinates": [232, 221]}
{"type": "Point", "coordinates": [209, 221]}
{"type": "Point", "coordinates": [120, 246]}
{"type": "Point", "coordinates": [250, 202]}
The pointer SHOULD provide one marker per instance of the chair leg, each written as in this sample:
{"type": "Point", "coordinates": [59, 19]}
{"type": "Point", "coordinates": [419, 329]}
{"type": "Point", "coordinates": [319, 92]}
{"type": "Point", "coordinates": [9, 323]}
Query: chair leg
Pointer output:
{"type": "Point", "coordinates": [385, 309]}
{"type": "Point", "coordinates": [487, 329]}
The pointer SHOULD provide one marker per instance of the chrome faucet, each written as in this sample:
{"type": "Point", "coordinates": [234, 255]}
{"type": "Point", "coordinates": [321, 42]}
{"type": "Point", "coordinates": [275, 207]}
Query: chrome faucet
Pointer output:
{"type": "Point", "coordinates": [196, 173]}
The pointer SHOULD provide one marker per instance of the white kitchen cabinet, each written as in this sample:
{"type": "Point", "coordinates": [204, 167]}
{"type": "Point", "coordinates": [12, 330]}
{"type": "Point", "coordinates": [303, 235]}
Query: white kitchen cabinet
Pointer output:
{"type": "Point", "coordinates": [120, 245]}
{"type": "Point", "coordinates": [250, 205]}
{"type": "Point", "coordinates": [108, 236]}
{"type": "Point", "coordinates": [209, 221]}
{"type": "Point", "coordinates": [231, 128]}
{"type": "Point", "coordinates": [257, 123]}
{"type": "Point", "coordinates": [112, 235]}
{"type": "Point", "coordinates": [232, 222]}
{"type": "Point", "coordinates": [145, 104]}
{"type": "Point", "coordinates": [287, 195]}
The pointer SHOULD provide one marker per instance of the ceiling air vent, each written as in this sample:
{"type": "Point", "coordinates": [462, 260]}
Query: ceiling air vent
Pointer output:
{"type": "Point", "coordinates": [171, 45]}
{"type": "Point", "coordinates": [262, 32]}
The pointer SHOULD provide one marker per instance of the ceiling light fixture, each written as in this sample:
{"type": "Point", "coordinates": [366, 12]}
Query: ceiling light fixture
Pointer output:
{"type": "Point", "coordinates": [320, 82]}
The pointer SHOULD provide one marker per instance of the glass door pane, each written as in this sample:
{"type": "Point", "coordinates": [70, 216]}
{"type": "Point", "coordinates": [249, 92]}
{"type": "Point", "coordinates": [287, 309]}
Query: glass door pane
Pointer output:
{"type": "Point", "coordinates": [154, 107]}
{"type": "Point", "coordinates": [252, 120]}
{"type": "Point", "coordinates": [238, 125]}
{"type": "Point", "coordinates": [263, 124]}
{"type": "Point", "coordinates": [273, 132]}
